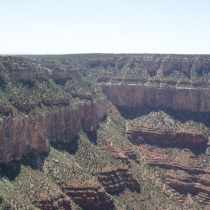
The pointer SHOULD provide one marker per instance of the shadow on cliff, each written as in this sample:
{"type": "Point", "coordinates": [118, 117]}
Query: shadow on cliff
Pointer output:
{"type": "Point", "coordinates": [92, 136]}
{"type": "Point", "coordinates": [196, 150]}
{"type": "Point", "coordinates": [33, 160]}
{"type": "Point", "coordinates": [70, 147]}
{"type": "Point", "coordinates": [11, 170]}
{"type": "Point", "coordinates": [182, 116]}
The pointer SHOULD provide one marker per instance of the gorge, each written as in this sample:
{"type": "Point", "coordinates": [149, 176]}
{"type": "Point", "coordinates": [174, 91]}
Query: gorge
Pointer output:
{"type": "Point", "coordinates": [105, 131]}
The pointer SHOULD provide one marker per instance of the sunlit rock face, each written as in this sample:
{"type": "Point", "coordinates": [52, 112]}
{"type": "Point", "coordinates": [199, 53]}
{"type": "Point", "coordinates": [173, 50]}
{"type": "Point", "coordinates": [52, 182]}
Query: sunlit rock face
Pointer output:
{"type": "Point", "coordinates": [190, 99]}
{"type": "Point", "coordinates": [34, 132]}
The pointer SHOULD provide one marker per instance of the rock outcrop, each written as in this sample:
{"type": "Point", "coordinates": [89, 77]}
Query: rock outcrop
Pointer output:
{"type": "Point", "coordinates": [101, 62]}
{"type": "Point", "coordinates": [56, 202]}
{"type": "Point", "coordinates": [60, 76]}
{"type": "Point", "coordinates": [130, 96]}
{"type": "Point", "coordinates": [50, 102]}
{"type": "Point", "coordinates": [34, 132]}
{"type": "Point", "coordinates": [28, 70]}
{"type": "Point", "coordinates": [118, 155]}
{"type": "Point", "coordinates": [21, 68]}
{"type": "Point", "coordinates": [89, 196]}
{"type": "Point", "coordinates": [151, 64]}
{"type": "Point", "coordinates": [27, 106]}
{"type": "Point", "coordinates": [117, 180]}
{"type": "Point", "coordinates": [82, 95]}
{"type": "Point", "coordinates": [161, 129]}
{"type": "Point", "coordinates": [184, 171]}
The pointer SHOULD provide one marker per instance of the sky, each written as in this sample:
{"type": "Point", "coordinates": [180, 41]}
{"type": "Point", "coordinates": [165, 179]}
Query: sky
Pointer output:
{"type": "Point", "coordinates": [108, 26]}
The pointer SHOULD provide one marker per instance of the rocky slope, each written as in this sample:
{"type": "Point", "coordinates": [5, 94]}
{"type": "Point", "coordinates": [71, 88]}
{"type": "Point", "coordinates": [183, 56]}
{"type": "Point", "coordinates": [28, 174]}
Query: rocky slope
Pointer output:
{"type": "Point", "coordinates": [184, 173]}
{"type": "Point", "coordinates": [89, 197]}
{"type": "Point", "coordinates": [117, 180]}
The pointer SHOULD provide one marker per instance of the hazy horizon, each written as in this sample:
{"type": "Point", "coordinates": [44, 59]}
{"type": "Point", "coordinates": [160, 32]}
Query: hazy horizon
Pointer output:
{"type": "Point", "coordinates": [111, 27]}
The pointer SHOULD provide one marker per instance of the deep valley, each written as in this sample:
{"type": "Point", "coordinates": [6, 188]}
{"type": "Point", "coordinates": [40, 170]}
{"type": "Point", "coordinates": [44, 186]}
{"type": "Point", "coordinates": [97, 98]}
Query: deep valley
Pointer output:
{"type": "Point", "coordinates": [105, 131]}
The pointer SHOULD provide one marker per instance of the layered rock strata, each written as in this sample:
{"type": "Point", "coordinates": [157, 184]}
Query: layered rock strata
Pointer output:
{"type": "Point", "coordinates": [90, 197]}
{"type": "Point", "coordinates": [141, 67]}
{"type": "Point", "coordinates": [118, 155]}
{"type": "Point", "coordinates": [56, 202]}
{"type": "Point", "coordinates": [184, 173]}
{"type": "Point", "coordinates": [116, 180]}
{"type": "Point", "coordinates": [27, 106]}
{"type": "Point", "coordinates": [34, 132]}
{"type": "Point", "coordinates": [60, 76]}
{"type": "Point", "coordinates": [20, 68]}
{"type": "Point", "coordinates": [130, 96]}
{"type": "Point", "coordinates": [154, 61]}
{"type": "Point", "coordinates": [125, 155]}
{"type": "Point", "coordinates": [82, 95]}
{"type": "Point", "coordinates": [29, 70]}
{"type": "Point", "coordinates": [159, 128]}
{"type": "Point", "coordinates": [50, 102]}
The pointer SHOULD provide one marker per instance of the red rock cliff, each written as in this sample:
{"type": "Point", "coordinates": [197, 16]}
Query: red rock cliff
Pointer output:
{"type": "Point", "coordinates": [34, 132]}
{"type": "Point", "coordinates": [130, 96]}
{"type": "Point", "coordinates": [160, 128]}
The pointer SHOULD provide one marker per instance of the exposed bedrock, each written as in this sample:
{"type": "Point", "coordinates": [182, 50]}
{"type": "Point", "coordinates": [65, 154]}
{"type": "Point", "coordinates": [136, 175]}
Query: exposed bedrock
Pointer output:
{"type": "Point", "coordinates": [185, 172]}
{"type": "Point", "coordinates": [90, 197]}
{"type": "Point", "coordinates": [131, 96]}
{"type": "Point", "coordinates": [19, 68]}
{"type": "Point", "coordinates": [58, 201]}
{"type": "Point", "coordinates": [151, 63]}
{"type": "Point", "coordinates": [161, 129]}
{"type": "Point", "coordinates": [116, 180]}
{"type": "Point", "coordinates": [35, 132]}
{"type": "Point", "coordinates": [60, 76]}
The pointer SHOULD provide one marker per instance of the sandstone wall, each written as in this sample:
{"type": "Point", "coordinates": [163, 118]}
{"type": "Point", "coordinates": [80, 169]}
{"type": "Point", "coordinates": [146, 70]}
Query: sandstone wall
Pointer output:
{"type": "Point", "coordinates": [34, 132]}
{"type": "Point", "coordinates": [130, 96]}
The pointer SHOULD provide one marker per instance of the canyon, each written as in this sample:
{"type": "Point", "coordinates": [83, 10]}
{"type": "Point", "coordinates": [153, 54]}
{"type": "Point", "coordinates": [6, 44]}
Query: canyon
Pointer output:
{"type": "Point", "coordinates": [110, 132]}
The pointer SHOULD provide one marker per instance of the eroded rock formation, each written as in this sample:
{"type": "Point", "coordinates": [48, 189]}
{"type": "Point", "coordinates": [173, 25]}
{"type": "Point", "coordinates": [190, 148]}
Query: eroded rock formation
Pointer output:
{"type": "Point", "coordinates": [167, 64]}
{"type": "Point", "coordinates": [191, 99]}
{"type": "Point", "coordinates": [20, 68]}
{"type": "Point", "coordinates": [184, 171]}
{"type": "Point", "coordinates": [34, 132]}
{"type": "Point", "coordinates": [56, 201]}
{"type": "Point", "coordinates": [116, 180]}
{"type": "Point", "coordinates": [159, 128]}
{"type": "Point", "coordinates": [89, 196]}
